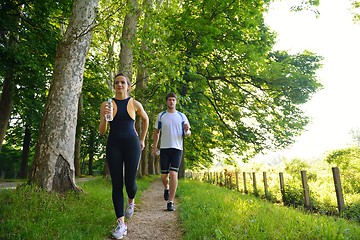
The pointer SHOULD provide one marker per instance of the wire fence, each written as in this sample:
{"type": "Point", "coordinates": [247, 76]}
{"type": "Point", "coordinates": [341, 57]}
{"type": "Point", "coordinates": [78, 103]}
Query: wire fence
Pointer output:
{"type": "Point", "coordinates": [248, 183]}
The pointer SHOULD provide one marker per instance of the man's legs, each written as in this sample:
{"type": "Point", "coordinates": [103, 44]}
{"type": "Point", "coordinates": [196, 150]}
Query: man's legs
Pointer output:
{"type": "Point", "coordinates": [170, 160]}
{"type": "Point", "coordinates": [165, 180]}
{"type": "Point", "coordinates": [173, 185]}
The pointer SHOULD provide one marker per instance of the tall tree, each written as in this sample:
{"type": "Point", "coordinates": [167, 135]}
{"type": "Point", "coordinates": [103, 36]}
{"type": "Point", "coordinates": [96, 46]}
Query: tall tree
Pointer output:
{"type": "Point", "coordinates": [53, 167]}
{"type": "Point", "coordinates": [240, 95]}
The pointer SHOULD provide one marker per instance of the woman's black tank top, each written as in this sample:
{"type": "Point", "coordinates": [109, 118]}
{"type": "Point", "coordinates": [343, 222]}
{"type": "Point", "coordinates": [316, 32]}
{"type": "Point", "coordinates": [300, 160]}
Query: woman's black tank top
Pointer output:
{"type": "Point", "coordinates": [122, 126]}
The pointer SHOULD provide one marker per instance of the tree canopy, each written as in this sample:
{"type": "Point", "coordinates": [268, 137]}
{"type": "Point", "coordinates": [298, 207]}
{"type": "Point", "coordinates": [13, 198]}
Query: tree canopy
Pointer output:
{"type": "Point", "coordinates": [240, 96]}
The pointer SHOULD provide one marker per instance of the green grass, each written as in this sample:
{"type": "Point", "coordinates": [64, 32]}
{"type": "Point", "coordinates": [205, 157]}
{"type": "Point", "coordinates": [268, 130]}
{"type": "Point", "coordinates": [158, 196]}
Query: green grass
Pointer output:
{"type": "Point", "coordinates": [211, 212]}
{"type": "Point", "coordinates": [30, 213]}
{"type": "Point", "coordinates": [206, 212]}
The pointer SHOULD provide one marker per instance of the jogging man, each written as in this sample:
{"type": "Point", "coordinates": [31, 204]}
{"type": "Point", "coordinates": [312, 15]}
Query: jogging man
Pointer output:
{"type": "Point", "coordinates": [173, 126]}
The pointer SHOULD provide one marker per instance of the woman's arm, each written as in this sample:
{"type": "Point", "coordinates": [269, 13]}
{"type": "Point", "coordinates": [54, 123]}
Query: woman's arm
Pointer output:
{"type": "Point", "coordinates": [103, 122]}
{"type": "Point", "coordinates": [145, 122]}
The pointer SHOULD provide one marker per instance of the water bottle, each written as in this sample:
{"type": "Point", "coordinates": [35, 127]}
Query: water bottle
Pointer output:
{"type": "Point", "coordinates": [158, 152]}
{"type": "Point", "coordinates": [109, 117]}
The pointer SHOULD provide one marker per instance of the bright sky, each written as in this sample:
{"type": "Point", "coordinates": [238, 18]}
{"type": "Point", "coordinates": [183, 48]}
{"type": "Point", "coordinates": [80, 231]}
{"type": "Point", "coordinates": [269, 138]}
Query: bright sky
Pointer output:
{"type": "Point", "coordinates": [334, 110]}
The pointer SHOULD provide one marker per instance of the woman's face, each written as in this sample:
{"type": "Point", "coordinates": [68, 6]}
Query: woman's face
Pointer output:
{"type": "Point", "coordinates": [121, 84]}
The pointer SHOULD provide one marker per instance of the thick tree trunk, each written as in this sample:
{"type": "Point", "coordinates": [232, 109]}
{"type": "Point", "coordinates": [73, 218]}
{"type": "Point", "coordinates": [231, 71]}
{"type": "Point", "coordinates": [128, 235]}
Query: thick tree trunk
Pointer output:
{"type": "Point", "coordinates": [53, 167]}
{"type": "Point", "coordinates": [129, 39]}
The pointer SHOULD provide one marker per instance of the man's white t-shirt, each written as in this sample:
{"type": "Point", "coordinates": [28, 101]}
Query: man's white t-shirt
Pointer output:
{"type": "Point", "coordinates": [171, 129]}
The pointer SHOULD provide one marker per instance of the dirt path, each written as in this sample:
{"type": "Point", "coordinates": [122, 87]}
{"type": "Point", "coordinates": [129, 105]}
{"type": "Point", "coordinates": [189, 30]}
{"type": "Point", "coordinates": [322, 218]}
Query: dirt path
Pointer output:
{"type": "Point", "coordinates": [151, 220]}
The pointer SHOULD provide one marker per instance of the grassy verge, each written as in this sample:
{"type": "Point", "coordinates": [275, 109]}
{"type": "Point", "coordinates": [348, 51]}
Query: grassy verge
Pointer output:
{"type": "Point", "coordinates": [211, 212]}
{"type": "Point", "coordinates": [29, 213]}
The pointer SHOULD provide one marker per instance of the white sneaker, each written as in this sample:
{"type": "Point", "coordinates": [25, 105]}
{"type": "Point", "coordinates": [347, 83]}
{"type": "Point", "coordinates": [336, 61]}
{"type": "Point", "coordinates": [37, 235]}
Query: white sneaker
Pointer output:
{"type": "Point", "coordinates": [120, 231]}
{"type": "Point", "coordinates": [129, 210]}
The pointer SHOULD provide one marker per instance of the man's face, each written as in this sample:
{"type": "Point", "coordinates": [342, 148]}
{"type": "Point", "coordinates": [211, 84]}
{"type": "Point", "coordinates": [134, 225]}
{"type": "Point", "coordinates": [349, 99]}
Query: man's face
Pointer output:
{"type": "Point", "coordinates": [171, 102]}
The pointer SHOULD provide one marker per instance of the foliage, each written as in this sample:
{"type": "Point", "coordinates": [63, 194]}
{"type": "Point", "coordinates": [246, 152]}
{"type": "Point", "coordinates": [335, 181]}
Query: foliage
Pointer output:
{"type": "Point", "coordinates": [309, 5]}
{"type": "Point", "coordinates": [10, 162]}
{"type": "Point", "coordinates": [355, 10]}
{"type": "Point", "coordinates": [224, 67]}
{"type": "Point", "coordinates": [239, 95]}
{"type": "Point", "coordinates": [348, 161]}
{"type": "Point", "coordinates": [295, 166]}
{"type": "Point", "coordinates": [33, 57]}
{"type": "Point", "coordinates": [352, 210]}
{"type": "Point", "coordinates": [293, 195]}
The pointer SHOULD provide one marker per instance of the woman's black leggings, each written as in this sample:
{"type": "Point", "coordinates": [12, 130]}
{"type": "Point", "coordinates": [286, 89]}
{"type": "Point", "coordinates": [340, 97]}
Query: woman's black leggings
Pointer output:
{"type": "Point", "coordinates": [123, 159]}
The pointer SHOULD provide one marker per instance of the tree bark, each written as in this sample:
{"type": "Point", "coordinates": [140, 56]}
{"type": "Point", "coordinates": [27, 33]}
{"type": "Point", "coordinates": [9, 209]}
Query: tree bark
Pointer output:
{"type": "Point", "coordinates": [53, 167]}
{"type": "Point", "coordinates": [129, 39]}
{"type": "Point", "coordinates": [6, 104]}
{"type": "Point", "coordinates": [78, 137]}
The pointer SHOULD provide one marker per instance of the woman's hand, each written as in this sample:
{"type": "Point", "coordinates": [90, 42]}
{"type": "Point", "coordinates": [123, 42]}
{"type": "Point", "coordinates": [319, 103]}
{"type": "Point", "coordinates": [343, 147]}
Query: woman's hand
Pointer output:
{"type": "Point", "coordinates": [142, 144]}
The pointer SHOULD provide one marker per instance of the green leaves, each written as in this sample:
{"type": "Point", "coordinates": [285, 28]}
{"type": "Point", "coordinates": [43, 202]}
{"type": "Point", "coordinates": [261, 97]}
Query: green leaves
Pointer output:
{"type": "Point", "coordinates": [348, 161]}
{"type": "Point", "coordinates": [249, 94]}
{"type": "Point", "coordinates": [239, 95]}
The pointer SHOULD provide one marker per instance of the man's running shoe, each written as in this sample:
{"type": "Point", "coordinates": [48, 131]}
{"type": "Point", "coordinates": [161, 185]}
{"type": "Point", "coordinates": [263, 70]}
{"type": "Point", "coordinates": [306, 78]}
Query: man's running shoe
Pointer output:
{"type": "Point", "coordinates": [129, 210]}
{"type": "Point", "coordinates": [166, 194]}
{"type": "Point", "coordinates": [170, 206]}
{"type": "Point", "coordinates": [120, 231]}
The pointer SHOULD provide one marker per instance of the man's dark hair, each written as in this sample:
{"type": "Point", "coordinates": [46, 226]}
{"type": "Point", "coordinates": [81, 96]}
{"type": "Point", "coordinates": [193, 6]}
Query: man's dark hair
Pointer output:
{"type": "Point", "coordinates": [171, 95]}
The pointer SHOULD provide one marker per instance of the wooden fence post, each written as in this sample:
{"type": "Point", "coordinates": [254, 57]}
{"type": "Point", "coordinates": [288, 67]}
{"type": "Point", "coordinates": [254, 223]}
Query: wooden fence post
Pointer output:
{"type": "Point", "coordinates": [338, 189]}
{"type": "Point", "coordinates": [282, 187]}
{"type": "Point", "coordinates": [254, 184]}
{"type": "Point", "coordinates": [265, 186]}
{"type": "Point", "coordinates": [306, 190]}
{"type": "Point", "coordinates": [244, 179]}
